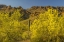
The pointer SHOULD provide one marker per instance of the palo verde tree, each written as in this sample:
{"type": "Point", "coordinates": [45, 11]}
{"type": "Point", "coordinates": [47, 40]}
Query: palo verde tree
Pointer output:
{"type": "Point", "coordinates": [11, 29]}
{"type": "Point", "coordinates": [45, 27]}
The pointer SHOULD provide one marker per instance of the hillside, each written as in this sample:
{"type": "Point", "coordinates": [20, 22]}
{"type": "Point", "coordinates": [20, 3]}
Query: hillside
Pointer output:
{"type": "Point", "coordinates": [30, 12]}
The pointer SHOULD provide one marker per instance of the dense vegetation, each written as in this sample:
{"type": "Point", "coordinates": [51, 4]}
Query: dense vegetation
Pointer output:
{"type": "Point", "coordinates": [36, 24]}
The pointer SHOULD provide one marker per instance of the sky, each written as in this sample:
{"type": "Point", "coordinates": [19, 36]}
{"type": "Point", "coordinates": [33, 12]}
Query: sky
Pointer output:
{"type": "Point", "coordinates": [29, 3]}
